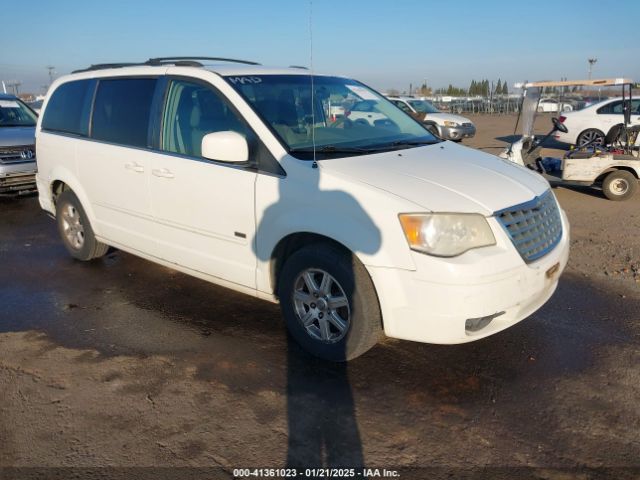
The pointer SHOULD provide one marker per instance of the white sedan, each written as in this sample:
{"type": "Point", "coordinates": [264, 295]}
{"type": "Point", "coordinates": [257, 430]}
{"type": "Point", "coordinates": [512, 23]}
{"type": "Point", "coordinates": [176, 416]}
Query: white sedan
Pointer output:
{"type": "Point", "coordinates": [552, 105]}
{"type": "Point", "coordinates": [592, 123]}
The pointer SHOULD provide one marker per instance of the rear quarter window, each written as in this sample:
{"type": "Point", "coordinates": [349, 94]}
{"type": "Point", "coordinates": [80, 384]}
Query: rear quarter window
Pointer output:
{"type": "Point", "coordinates": [68, 108]}
{"type": "Point", "coordinates": [611, 108]}
{"type": "Point", "coordinates": [122, 109]}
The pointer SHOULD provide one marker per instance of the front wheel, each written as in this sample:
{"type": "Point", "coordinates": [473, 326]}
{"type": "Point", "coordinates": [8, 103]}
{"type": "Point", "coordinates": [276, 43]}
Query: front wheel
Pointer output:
{"type": "Point", "coordinates": [75, 229]}
{"type": "Point", "coordinates": [619, 185]}
{"type": "Point", "coordinates": [329, 303]}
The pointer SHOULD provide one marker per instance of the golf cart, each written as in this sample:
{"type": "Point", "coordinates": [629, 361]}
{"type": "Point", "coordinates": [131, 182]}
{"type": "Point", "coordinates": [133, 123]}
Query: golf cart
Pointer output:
{"type": "Point", "coordinates": [614, 165]}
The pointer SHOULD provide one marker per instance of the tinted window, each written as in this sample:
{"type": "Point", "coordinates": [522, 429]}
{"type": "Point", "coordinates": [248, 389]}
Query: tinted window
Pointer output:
{"type": "Point", "coordinates": [68, 108]}
{"type": "Point", "coordinates": [611, 108]}
{"type": "Point", "coordinates": [121, 111]}
{"type": "Point", "coordinates": [192, 111]}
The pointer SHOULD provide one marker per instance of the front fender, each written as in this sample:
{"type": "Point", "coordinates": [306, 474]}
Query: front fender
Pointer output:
{"type": "Point", "coordinates": [362, 218]}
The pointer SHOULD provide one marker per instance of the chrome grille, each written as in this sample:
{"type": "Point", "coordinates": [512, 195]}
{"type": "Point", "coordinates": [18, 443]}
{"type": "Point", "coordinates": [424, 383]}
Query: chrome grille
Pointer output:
{"type": "Point", "coordinates": [17, 154]}
{"type": "Point", "coordinates": [535, 227]}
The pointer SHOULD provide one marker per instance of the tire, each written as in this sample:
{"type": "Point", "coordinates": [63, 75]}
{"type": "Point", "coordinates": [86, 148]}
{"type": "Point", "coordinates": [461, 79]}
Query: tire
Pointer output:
{"type": "Point", "coordinates": [75, 230]}
{"type": "Point", "coordinates": [619, 185]}
{"type": "Point", "coordinates": [356, 303]}
{"type": "Point", "coordinates": [588, 135]}
{"type": "Point", "coordinates": [433, 129]}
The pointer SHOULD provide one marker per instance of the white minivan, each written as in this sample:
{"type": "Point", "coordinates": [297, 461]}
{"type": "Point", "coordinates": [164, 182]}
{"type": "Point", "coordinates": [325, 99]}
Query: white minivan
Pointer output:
{"type": "Point", "coordinates": [235, 173]}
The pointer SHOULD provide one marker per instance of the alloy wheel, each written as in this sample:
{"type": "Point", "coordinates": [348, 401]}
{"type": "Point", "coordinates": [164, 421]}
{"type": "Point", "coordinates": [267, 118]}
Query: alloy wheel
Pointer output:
{"type": "Point", "coordinates": [321, 305]}
{"type": "Point", "coordinates": [72, 227]}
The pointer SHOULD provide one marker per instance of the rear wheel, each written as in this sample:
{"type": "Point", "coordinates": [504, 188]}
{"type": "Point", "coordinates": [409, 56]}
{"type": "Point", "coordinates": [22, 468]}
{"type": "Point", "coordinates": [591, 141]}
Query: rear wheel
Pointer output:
{"type": "Point", "coordinates": [75, 229]}
{"type": "Point", "coordinates": [329, 303]}
{"type": "Point", "coordinates": [591, 136]}
{"type": "Point", "coordinates": [619, 185]}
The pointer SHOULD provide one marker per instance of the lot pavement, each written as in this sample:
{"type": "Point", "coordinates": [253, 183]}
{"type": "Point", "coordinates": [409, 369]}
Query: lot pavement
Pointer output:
{"type": "Point", "coordinates": [123, 363]}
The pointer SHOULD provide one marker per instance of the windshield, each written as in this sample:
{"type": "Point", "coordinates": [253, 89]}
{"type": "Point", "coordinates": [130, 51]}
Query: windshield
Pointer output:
{"type": "Point", "coordinates": [346, 117]}
{"type": "Point", "coordinates": [529, 109]}
{"type": "Point", "coordinates": [14, 113]}
{"type": "Point", "coordinates": [423, 107]}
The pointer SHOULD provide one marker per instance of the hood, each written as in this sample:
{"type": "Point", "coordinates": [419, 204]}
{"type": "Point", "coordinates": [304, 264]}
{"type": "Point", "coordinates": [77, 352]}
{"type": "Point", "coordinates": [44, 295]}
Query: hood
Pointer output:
{"type": "Point", "coordinates": [444, 177]}
{"type": "Point", "coordinates": [17, 136]}
{"type": "Point", "coordinates": [450, 117]}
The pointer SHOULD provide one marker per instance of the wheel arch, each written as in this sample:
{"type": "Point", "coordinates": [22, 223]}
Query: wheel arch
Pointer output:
{"type": "Point", "coordinates": [296, 241]}
{"type": "Point", "coordinates": [432, 123]}
{"type": "Point", "coordinates": [292, 243]}
{"type": "Point", "coordinates": [606, 172]}
{"type": "Point", "coordinates": [60, 180]}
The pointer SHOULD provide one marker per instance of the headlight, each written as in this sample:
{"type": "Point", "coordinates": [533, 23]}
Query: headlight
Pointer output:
{"type": "Point", "coordinates": [446, 234]}
{"type": "Point", "coordinates": [447, 123]}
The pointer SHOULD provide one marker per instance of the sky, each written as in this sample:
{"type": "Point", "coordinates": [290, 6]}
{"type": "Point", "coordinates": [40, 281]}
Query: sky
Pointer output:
{"type": "Point", "coordinates": [386, 44]}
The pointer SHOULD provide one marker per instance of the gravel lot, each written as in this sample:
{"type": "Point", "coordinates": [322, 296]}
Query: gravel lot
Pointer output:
{"type": "Point", "coordinates": [122, 363]}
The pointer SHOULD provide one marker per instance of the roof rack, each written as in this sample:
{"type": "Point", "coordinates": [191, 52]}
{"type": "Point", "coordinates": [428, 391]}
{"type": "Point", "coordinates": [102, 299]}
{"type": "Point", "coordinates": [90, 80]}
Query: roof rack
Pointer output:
{"type": "Point", "coordinates": [102, 66]}
{"type": "Point", "coordinates": [174, 60]}
{"type": "Point", "coordinates": [177, 61]}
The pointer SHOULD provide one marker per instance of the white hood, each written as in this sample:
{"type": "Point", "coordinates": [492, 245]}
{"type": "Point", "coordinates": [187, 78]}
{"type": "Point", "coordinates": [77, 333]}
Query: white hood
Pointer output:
{"type": "Point", "coordinates": [449, 117]}
{"type": "Point", "coordinates": [444, 177]}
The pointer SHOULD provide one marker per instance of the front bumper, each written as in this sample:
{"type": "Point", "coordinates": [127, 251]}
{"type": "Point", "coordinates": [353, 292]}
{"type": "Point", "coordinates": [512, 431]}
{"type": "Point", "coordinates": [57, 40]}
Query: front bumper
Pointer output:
{"type": "Point", "coordinates": [434, 303]}
{"type": "Point", "coordinates": [18, 178]}
{"type": "Point", "coordinates": [457, 133]}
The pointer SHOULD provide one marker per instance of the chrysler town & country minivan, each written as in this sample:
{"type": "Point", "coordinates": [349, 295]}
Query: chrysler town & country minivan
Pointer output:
{"type": "Point", "coordinates": [237, 174]}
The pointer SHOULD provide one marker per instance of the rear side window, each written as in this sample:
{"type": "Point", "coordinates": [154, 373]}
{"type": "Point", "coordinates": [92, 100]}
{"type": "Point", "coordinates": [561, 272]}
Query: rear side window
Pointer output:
{"type": "Point", "coordinates": [121, 111]}
{"type": "Point", "coordinates": [68, 108]}
{"type": "Point", "coordinates": [611, 108]}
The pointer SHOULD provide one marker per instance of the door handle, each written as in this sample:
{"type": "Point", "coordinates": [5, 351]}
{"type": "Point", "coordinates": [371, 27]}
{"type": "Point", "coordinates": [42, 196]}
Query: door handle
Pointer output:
{"type": "Point", "coordinates": [134, 167]}
{"type": "Point", "coordinates": [162, 172]}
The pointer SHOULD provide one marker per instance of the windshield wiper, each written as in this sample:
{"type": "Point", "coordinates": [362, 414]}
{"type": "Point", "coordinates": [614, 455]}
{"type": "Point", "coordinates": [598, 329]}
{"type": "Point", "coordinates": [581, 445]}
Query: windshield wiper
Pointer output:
{"type": "Point", "coordinates": [331, 149]}
{"type": "Point", "coordinates": [403, 143]}
{"type": "Point", "coordinates": [413, 143]}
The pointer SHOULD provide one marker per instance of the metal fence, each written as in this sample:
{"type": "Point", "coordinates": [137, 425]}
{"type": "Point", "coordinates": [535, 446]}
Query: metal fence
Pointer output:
{"type": "Point", "coordinates": [492, 105]}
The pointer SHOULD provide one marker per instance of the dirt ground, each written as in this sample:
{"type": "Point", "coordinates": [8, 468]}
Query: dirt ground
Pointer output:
{"type": "Point", "coordinates": [124, 364]}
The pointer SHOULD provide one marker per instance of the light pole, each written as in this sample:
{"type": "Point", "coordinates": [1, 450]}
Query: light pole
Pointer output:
{"type": "Point", "coordinates": [592, 62]}
{"type": "Point", "coordinates": [51, 73]}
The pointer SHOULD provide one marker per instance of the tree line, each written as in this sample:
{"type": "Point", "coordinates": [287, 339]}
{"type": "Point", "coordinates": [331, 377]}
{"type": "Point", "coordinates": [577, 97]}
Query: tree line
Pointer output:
{"type": "Point", "coordinates": [482, 88]}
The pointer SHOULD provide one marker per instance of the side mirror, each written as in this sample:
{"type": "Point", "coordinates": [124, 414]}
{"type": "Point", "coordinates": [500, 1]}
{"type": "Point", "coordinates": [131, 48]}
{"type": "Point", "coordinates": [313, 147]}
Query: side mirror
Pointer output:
{"type": "Point", "coordinates": [225, 147]}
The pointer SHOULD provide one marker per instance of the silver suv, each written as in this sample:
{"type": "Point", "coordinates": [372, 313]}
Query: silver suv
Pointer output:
{"type": "Point", "coordinates": [17, 146]}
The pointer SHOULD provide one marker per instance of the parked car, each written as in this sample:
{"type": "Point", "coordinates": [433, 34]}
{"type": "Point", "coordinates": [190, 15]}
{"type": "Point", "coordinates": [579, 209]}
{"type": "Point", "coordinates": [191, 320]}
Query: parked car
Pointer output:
{"type": "Point", "coordinates": [234, 174]}
{"type": "Point", "coordinates": [553, 105]}
{"type": "Point", "coordinates": [444, 125]}
{"type": "Point", "coordinates": [17, 146]}
{"type": "Point", "coordinates": [36, 106]}
{"type": "Point", "coordinates": [365, 112]}
{"type": "Point", "coordinates": [593, 122]}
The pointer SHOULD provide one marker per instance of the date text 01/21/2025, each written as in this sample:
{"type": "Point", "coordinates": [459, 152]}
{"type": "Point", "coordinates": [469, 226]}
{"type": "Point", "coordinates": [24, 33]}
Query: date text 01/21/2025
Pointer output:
{"type": "Point", "coordinates": [277, 473]}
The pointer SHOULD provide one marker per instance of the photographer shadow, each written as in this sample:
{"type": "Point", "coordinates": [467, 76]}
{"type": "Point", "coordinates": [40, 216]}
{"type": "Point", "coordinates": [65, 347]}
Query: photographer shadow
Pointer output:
{"type": "Point", "coordinates": [322, 426]}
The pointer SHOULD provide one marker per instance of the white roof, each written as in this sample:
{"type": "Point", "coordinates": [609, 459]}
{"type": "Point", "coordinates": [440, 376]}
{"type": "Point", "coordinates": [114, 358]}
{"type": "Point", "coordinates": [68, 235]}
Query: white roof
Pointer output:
{"type": "Point", "coordinates": [224, 69]}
